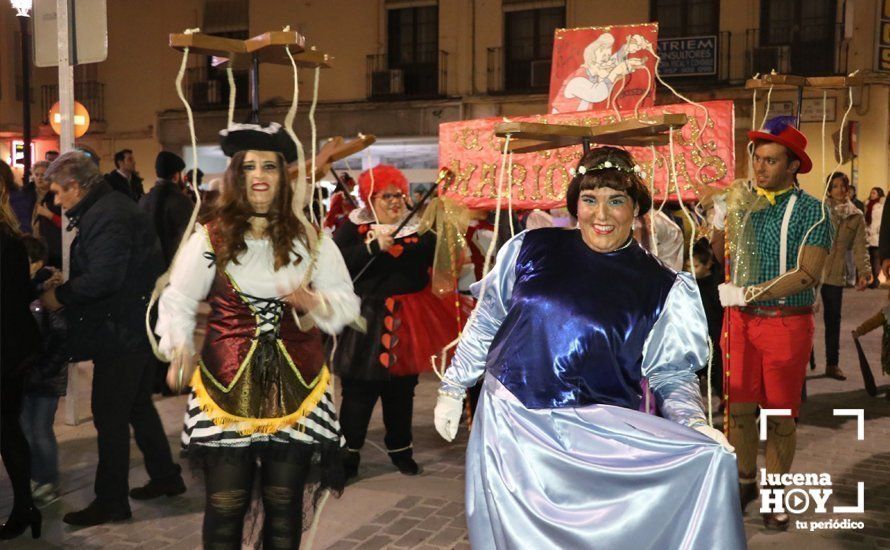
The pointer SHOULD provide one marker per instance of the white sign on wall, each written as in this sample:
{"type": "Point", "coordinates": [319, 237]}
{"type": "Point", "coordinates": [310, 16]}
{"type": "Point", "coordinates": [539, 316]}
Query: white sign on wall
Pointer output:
{"type": "Point", "coordinates": [89, 42]}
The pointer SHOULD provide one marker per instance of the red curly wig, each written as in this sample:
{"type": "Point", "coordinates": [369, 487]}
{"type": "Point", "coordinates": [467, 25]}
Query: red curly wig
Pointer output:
{"type": "Point", "coordinates": [384, 176]}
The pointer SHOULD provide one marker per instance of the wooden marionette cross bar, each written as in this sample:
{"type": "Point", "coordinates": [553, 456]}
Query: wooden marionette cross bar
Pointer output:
{"type": "Point", "coordinates": [776, 82]}
{"type": "Point", "coordinates": [794, 82]}
{"type": "Point", "coordinates": [268, 47]}
{"type": "Point", "coordinates": [790, 82]}
{"type": "Point", "coordinates": [834, 82]}
{"type": "Point", "coordinates": [528, 137]}
{"type": "Point", "coordinates": [205, 44]}
{"type": "Point", "coordinates": [312, 58]}
{"type": "Point", "coordinates": [332, 151]}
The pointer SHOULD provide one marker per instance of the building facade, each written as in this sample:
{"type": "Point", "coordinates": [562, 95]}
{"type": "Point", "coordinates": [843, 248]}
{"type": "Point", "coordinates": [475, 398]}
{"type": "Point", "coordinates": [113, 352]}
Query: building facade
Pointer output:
{"type": "Point", "coordinates": [401, 67]}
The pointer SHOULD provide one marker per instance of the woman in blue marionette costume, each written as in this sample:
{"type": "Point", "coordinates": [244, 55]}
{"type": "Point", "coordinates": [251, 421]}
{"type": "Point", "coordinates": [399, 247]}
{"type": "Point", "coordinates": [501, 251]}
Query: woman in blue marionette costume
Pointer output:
{"type": "Point", "coordinates": [568, 324]}
{"type": "Point", "coordinates": [261, 391]}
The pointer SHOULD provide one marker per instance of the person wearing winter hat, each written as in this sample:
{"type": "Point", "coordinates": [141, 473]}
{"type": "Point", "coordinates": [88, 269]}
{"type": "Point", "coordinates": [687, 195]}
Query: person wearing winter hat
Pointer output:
{"type": "Point", "coordinates": [166, 204]}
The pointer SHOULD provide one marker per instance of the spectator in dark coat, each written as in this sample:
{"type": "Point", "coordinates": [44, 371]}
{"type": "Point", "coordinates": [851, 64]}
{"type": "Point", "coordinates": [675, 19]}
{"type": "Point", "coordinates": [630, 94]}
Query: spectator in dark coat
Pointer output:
{"type": "Point", "coordinates": [47, 218]}
{"type": "Point", "coordinates": [21, 200]}
{"type": "Point", "coordinates": [198, 175]}
{"type": "Point", "coordinates": [46, 383]}
{"type": "Point", "coordinates": [166, 204]}
{"type": "Point", "coordinates": [115, 260]}
{"type": "Point", "coordinates": [708, 276]}
{"type": "Point", "coordinates": [124, 177]}
{"type": "Point", "coordinates": [19, 346]}
{"type": "Point", "coordinates": [884, 242]}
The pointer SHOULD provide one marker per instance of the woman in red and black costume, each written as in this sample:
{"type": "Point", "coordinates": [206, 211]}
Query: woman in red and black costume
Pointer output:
{"type": "Point", "coordinates": [261, 390]}
{"type": "Point", "coordinates": [406, 323]}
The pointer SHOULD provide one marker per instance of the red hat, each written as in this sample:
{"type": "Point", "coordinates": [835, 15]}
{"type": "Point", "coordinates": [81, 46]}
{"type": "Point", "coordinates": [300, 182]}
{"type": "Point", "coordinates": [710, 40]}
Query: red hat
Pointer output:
{"type": "Point", "coordinates": [384, 176]}
{"type": "Point", "coordinates": [781, 130]}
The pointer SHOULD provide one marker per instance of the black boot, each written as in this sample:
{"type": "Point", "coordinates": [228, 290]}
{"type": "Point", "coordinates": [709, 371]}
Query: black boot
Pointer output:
{"type": "Point", "coordinates": [155, 489]}
{"type": "Point", "coordinates": [776, 522]}
{"type": "Point", "coordinates": [747, 494]}
{"type": "Point", "coordinates": [95, 514]}
{"type": "Point", "coordinates": [404, 461]}
{"type": "Point", "coordinates": [351, 460]}
{"type": "Point", "coordinates": [19, 521]}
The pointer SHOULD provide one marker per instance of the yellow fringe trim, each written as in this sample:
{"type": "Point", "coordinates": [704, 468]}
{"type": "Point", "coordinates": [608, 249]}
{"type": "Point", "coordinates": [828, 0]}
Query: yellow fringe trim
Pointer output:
{"type": "Point", "coordinates": [248, 426]}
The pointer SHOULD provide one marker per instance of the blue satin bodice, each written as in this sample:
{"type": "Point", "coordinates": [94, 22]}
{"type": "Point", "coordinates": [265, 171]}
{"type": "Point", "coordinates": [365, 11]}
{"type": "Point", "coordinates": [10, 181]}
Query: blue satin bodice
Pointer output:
{"type": "Point", "coordinates": [589, 315]}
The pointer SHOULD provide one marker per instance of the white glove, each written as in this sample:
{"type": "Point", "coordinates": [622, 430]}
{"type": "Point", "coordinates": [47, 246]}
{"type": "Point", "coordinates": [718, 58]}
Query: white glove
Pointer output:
{"type": "Point", "coordinates": [716, 435]}
{"type": "Point", "coordinates": [719, 219]}
{"type": "Point", "coordinates": [731, 295]}
{"type": "Point", "coordinates": [446, 416]}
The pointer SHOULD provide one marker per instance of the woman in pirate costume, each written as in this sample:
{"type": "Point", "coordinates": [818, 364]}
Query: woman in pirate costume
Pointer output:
{"type": "Point", "coordinates": [260, 390]}
{"type": "Point", "coordinates": [406, 323]}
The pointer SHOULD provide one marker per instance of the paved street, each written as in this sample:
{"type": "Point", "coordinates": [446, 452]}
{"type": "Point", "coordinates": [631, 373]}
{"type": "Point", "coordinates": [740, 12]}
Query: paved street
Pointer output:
{"type": "Point", "coordinates": [384, 509]}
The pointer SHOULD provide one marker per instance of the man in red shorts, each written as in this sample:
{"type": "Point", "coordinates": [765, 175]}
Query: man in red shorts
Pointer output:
{"type": "Point", "coordinates": [783, 235]}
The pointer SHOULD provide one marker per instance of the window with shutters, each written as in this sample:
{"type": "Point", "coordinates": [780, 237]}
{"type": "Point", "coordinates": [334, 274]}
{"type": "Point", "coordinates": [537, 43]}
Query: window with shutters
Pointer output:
{"type": "Point", "coordinates": [528, 46]}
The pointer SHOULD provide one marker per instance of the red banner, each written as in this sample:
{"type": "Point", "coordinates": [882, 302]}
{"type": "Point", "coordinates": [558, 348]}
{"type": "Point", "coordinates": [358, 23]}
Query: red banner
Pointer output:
{"type": "Point", "coordinates": [539, 180]}
{"type": "Point", "coordinates": [599, 68]}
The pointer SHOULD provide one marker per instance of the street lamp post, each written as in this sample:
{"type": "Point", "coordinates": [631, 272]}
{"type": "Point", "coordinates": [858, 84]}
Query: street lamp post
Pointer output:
{"type": "Point", "coordinates": [23, 13]}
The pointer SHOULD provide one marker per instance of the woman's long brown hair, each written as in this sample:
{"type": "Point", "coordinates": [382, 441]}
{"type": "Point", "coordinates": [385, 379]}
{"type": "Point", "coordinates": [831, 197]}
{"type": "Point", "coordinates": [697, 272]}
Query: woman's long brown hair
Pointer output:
{"type": "Point", "coordinates": [232, 214]}
{"type": "Point", "coordinates": [9, 223]}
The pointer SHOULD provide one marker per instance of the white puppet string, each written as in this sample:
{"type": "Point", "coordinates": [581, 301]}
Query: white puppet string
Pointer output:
{"type": "Point", "coordinates": [616, 95]}
{"type": "Point", "coordinates": [710, 369]}
{"type": "Point", "coordinates": [707, 121]}
{"type": "Point", "coordinates": [769, 96]}
{"type": "Point", "coordinates": [162, 281]}
{"type": "Point", "coordinates": [300, 191]}
{"type": "Point", "coordinates": [231, 77]}
{"type": "Point", "coordinates": [319, 198]}
{"type": "Point", "coordinates": [803, 242]}
{"type": "Point", "coordinates": [652, 240]}
{"type": "Point", "coordinates": [750, 145]}
{"type": "Point", "coordinates": [440, 369]}
{"type": "Point", "coordinates": [371, 192]}
{"type": "Point", "coordinates": [314, 134]}
{"type": "Point", "coordinates": [673, 177]}
{"type": "Point", "coordinates": [824, 115]}
{"type": "Point", "coordinates": [510, 194]}
{"type": "Point", "coordinates": [646, 93]}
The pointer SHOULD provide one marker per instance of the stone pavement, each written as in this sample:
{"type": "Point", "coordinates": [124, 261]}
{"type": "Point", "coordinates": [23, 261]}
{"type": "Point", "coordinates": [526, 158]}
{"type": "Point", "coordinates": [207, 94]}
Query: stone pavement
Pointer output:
{"type": "Point", "coordinates": [386, 510]}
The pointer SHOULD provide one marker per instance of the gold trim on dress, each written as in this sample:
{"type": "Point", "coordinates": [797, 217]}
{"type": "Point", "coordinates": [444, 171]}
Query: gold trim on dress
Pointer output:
{"type": "Point", "coordinates": [248, 426]}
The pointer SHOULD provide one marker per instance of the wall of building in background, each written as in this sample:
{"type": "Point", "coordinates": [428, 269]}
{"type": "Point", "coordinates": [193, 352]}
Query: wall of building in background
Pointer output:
{"type": "Point", "coordinates": [143, 113]}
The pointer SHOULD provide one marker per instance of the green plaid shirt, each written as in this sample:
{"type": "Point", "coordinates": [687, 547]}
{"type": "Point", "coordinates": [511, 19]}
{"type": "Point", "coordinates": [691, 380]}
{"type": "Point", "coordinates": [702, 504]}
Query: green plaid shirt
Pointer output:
{"type": "Point", "coordinates": [808, 211]}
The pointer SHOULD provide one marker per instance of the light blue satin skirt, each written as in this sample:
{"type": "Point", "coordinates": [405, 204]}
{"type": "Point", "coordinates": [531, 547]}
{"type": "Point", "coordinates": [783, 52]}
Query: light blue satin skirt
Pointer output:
{"type": "Point", "coordinates": [595, 477]}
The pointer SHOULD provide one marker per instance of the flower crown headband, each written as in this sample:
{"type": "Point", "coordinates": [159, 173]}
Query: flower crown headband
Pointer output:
{"type": "Point", "coordinates": [609, 165]}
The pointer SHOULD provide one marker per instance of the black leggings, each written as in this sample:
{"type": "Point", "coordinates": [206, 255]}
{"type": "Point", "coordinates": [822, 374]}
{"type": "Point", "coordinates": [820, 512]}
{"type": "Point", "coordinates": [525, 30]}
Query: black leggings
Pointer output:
{"type": "Point", "coordinates": [13, 445]}
{"type": "Point", "coordinates": [229, 486]}
{"type": "Point", "coordinates": [832, 303]}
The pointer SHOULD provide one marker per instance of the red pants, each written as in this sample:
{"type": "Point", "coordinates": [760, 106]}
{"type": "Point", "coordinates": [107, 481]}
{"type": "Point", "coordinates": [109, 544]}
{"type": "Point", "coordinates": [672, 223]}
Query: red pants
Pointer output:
{"type": "Point", "coordinates": [766, 358]}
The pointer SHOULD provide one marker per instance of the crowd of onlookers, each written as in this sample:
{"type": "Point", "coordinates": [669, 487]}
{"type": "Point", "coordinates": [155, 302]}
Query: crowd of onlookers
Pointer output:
{"type": "Point", "coordinates": [127, 236]}
{"type": "Point", "coordinates": [124, 239]}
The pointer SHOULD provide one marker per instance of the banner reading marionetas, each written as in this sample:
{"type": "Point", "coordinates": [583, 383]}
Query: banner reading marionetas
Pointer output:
{"type": "Point", "coordinates": [539, 180]}
{"type": "Point", "coordinates": [598, 68]}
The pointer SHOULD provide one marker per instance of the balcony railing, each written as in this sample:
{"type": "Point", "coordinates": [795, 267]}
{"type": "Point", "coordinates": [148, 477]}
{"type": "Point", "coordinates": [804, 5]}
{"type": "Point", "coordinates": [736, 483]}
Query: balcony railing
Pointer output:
{"type": "Point", "coordinates": [90, 93]}
{"type": "Point", "coordinates": [390, 81]}
{"type": "Point", "coordinates": [817, 58]}
{"type": "Point", "coordinates": [208, 89]}
{"type": "Point", "coordinates": [518, 76]}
